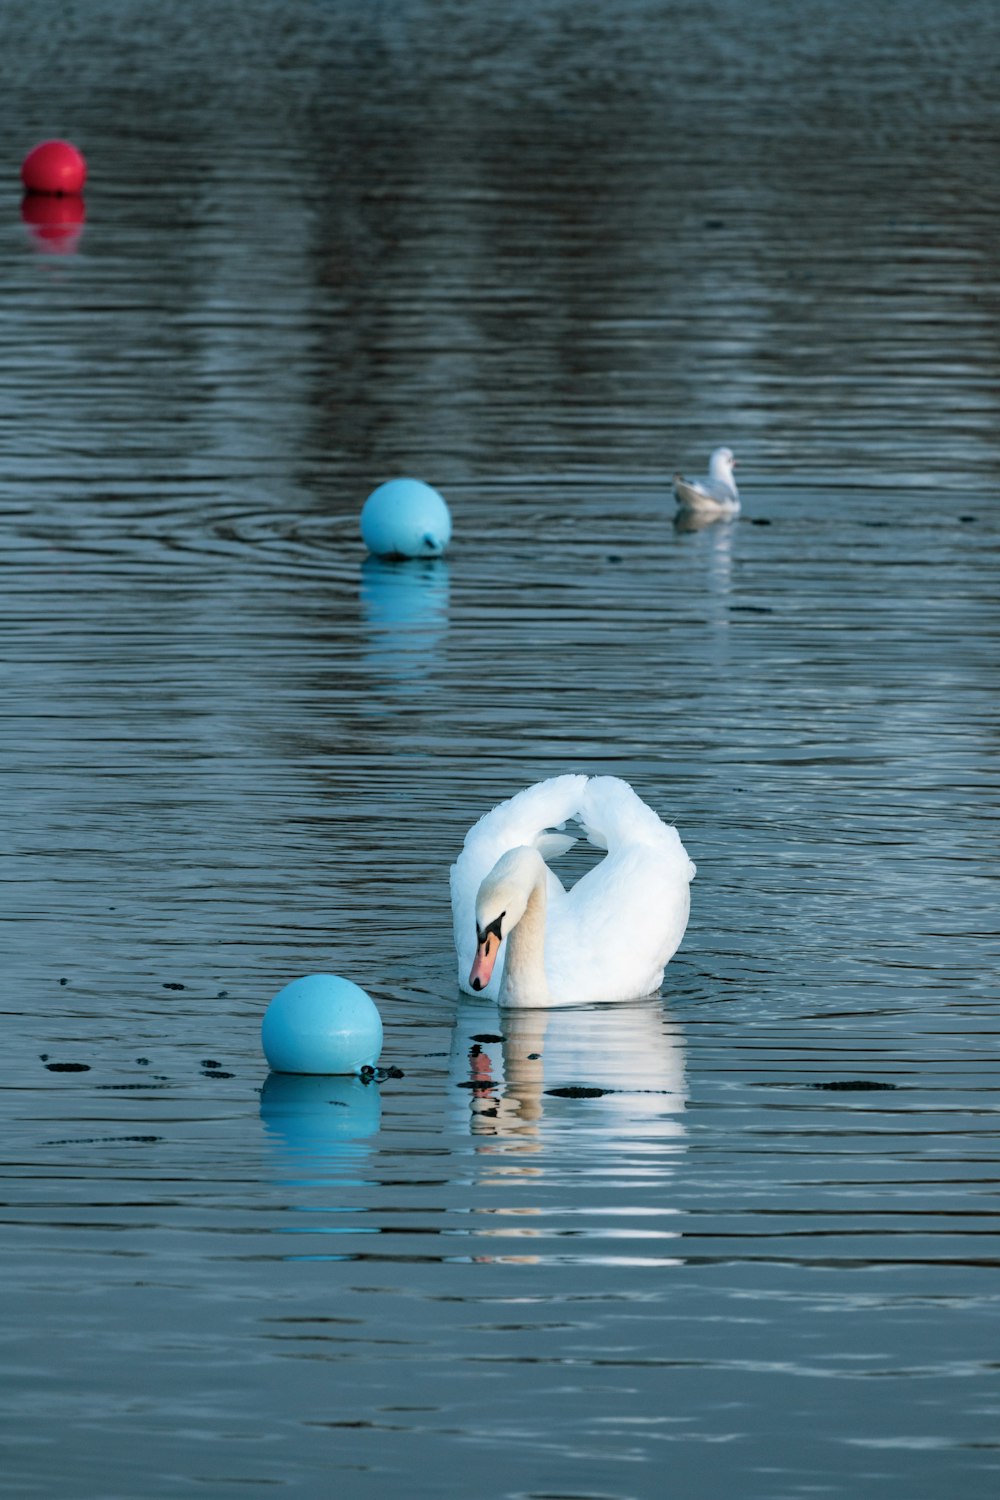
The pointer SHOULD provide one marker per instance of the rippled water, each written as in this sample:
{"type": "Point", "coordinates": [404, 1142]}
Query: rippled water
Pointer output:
{"type": "Point", "coordinates": [740, 1238]}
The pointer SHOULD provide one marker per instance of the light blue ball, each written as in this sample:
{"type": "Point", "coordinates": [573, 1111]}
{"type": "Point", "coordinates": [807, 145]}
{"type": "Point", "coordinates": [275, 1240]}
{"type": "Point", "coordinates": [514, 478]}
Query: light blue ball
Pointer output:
{"type": "Point", "coordinates": [405, 518]}
{"type": "Point", "coordinates": [321, 1024]}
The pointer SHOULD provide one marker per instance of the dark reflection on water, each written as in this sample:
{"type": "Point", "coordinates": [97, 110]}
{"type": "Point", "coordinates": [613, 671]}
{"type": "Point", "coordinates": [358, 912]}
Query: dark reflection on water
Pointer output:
{"type": "Point", "coordinates": [544, 257]}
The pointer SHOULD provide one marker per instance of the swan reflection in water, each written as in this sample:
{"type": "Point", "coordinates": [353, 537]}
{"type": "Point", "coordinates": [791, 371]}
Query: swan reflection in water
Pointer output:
{"type": "Point", "coordinates": [584, 1102]}
{"type": "Point", "coordinates": [404, 606]}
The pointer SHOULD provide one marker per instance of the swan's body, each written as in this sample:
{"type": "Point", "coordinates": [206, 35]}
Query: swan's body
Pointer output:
{"type": "Point", "coordinates": [715, 495]}
{"type": "Point", "coordinates": [524, 940]}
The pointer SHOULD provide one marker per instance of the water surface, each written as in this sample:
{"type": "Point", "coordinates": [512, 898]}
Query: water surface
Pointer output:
{"type": "Point", "coordinates": [740, 1237]}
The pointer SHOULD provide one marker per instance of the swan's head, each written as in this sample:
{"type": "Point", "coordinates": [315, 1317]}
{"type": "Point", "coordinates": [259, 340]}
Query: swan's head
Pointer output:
{"type": "Point", "coordinates": [721, 465]}
{"type": "Point", "coordinates": [500, 905]}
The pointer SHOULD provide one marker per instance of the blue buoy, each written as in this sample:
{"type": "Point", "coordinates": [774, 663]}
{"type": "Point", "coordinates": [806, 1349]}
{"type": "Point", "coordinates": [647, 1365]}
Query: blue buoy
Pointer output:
{"type": "Point", "coordinates": [405, 518]}
{"type": "Point", "coordinates": [321, 1024]}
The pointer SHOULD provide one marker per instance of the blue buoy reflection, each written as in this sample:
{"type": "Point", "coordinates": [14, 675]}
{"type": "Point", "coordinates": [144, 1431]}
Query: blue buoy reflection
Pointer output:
{"type": "Point", "coordinates": [319, 1118]}
{"type": "Point", "coordinates": [404, 605]}
{"type": "Point", "coordinates": [322, 1128]}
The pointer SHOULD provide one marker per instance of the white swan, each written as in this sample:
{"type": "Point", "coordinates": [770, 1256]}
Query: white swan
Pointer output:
{"type": "Point", "coordinates": [522, 939]}
{"type": "Point", "coordinates": [717, 495]}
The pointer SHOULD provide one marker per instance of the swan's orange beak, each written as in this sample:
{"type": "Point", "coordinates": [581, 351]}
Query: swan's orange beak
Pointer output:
{"type": "Point", "coordinates": [482, 964]}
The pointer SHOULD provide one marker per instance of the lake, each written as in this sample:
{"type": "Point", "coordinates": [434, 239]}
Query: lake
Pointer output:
{"type": "Point", "coordinates": [740, 1237]}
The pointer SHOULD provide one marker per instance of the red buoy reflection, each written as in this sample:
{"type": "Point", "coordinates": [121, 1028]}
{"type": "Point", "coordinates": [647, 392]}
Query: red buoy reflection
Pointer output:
{"type": "Point", "coordinates": [56, 222]}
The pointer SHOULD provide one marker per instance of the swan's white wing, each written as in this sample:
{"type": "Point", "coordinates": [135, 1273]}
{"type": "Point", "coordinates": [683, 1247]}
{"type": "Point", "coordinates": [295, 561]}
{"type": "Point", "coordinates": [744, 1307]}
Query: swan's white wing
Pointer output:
{"type": "Point", "coordinates": [551, 845]}
{"type": "Point", "coordinates": [621, 922]}
{"type": "Point", "coordinates": [615, 816]}
{"type": "Point", "coordinates": [522, 819]}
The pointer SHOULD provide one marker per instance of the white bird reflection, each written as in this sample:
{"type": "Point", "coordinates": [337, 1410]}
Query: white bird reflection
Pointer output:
{"type": "Point", "coordinates": [692, 520]}
{"type": "Point", "coordinates": [714, 554]}
{"type": "Point", "coordinates": [404, 605]}
{"type": "Point", "coordinates": [523, 1073]}
{"type": "Point", "coordinates": [577, 1117]}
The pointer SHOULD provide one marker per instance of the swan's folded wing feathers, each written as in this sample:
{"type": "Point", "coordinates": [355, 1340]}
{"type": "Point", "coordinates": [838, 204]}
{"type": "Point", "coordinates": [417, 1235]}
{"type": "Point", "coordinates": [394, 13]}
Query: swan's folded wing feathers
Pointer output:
{"type": "Point", "coordinates": [551, 845]}
{"type": "Point", "coordinates": [632, 905]}
{"type": "Point", "coordinates": [523, 817]}
{"type": "Point", "coordinates": [613, 812]}
{"type": "Point", "coordinates": [621, 905]}
{"type": "Point", "coordinates": [594, 836]}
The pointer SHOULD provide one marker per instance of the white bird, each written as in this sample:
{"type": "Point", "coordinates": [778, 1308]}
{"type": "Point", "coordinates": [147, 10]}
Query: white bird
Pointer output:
{"type": "Point", "coordinates": [522, 939]}
{"type": "Point", "coordinates": [715, 495]}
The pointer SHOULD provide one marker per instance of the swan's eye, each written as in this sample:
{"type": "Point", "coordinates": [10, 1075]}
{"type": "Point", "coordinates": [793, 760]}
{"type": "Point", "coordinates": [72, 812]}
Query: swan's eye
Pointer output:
{"type": "Point", "coordinates": [494, 927]}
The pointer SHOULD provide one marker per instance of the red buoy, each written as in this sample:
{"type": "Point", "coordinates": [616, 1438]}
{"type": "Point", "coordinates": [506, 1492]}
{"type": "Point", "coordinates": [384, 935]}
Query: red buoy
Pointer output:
{"type": "Point", "coordinates": [54, 167]}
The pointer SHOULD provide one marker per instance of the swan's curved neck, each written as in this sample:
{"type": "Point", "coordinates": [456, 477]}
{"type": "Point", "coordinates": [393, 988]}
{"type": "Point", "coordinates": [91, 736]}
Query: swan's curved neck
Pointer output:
{"type": "Point", "coordinates": [524, 981]}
